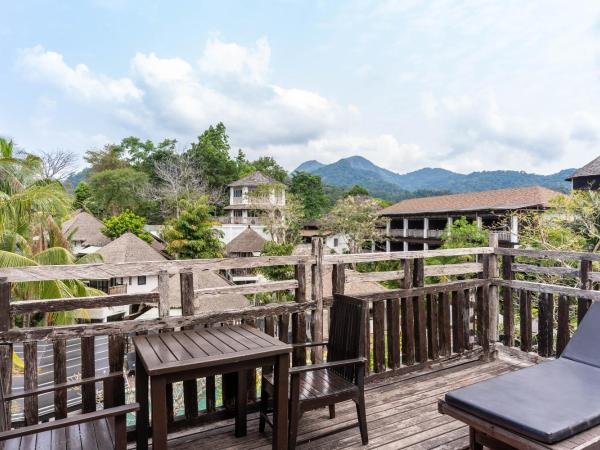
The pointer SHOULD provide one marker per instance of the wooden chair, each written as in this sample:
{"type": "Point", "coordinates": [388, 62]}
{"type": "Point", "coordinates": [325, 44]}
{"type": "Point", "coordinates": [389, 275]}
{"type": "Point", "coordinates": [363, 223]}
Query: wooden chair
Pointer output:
{"type": "Point", "coordinates": [102, 429]}
{"type": "Point", "coordinates": [339, 379]}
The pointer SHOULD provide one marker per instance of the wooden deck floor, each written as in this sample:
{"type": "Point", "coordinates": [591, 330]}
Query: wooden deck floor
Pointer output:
{"type": "Point", "coordinates": [402, 414]}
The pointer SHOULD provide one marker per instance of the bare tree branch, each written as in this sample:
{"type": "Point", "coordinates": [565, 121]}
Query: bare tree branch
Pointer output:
{"type": "Point", "coordinates": [58, 164]}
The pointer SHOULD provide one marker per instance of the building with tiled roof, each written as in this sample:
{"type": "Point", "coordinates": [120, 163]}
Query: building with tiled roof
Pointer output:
{"type": "Point", "coordinates": [418, 223]}
{"type": "Point", "coordinates": [588, 177]}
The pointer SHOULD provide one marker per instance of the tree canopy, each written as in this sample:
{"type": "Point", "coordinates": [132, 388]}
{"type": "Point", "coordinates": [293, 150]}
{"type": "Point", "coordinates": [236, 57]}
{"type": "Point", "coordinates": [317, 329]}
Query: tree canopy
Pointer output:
{"type": "Point", "coordinates": [127, 221]}
{"type": "Point", "coordinates": [309, 190]}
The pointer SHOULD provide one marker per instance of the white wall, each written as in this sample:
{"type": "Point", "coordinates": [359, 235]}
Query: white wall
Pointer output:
{"type": "Point", "coordinates": [342, 243]}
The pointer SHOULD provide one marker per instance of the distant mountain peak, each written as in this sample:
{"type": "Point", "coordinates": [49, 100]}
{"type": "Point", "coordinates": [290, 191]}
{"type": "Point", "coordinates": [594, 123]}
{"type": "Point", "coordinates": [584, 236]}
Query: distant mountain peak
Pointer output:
{"type": "Point", "coordinates": [309, 166]}
{"type": "Point", "coordinates": [390, 185]}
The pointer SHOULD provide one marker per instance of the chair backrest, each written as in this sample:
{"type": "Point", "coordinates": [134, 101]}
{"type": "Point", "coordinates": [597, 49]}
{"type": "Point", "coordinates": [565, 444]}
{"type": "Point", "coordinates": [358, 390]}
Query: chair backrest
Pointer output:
{"type": "Point", "coordinates": [584, 345]}
{"type": "Point", "coordinates": [347, 323]}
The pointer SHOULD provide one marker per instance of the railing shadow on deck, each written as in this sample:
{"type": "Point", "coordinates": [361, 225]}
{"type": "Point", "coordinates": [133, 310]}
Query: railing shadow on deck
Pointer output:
{"type": "Point", "coordinates": [439, 315]}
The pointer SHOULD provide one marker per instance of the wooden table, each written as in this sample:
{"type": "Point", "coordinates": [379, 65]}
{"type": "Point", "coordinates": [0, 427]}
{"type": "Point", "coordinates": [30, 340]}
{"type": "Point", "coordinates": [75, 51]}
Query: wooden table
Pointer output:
{"type": "Point", "coordinates": [187, 355]}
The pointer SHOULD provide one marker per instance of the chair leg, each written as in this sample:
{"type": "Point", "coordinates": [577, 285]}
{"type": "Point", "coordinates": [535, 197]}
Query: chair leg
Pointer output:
{"type": "Point", "coordinates": [264, 408]}
{"type": "Point", "coordinates": [361, 411]}
{"type": "Point", "coordinates": [332, 411]}
{"type": "Point", "coordinates": [294, 413]}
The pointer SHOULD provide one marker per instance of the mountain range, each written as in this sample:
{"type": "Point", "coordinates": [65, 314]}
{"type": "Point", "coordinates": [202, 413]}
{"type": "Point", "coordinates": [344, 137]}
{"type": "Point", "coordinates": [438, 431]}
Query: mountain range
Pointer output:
{"type": "Point", "coordinates": [393, 186]}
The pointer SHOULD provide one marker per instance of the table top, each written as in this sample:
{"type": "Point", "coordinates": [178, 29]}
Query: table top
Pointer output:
{"type": "Point", "coordinates": [195, 349]}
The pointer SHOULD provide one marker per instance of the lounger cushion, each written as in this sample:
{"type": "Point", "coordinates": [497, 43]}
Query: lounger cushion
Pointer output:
{"type": "Point", "coordinates": [584, 345]}
{"type": "Point", "coordinates": [548, 402]}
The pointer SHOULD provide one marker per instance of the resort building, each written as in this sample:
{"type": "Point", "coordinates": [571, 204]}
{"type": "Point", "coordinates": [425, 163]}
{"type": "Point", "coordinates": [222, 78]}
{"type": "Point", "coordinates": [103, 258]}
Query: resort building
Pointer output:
{"type": "Point", "coordinates": [244, 207]}
{"type": "Point", "coordinates": [84, 231]}
{"type": "Point", "coordinates": [586, 178]}
{"type": "Point", "coordinates": [336, 242]}
{"type": "Point", "coordinates": [418, 223]}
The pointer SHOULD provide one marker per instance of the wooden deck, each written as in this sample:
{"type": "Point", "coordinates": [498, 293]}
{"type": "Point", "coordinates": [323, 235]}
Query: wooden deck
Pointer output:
{"type": "Point", "coordinates": [401, 413]}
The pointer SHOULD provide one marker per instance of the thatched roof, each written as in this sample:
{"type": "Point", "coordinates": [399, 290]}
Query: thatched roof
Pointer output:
{"type": "Point", "coordinates": [591, 169]}
{"type": "Point", "coordinates": [248, 241]}
{"type": "Point", "coordinates": [254, 179]}
{"type": "Point", "coordinates": [85, 228]}
{"type": "Point", "coordinates": [129, 248]}
{"type": "Point", "coordinates": [207, 279]}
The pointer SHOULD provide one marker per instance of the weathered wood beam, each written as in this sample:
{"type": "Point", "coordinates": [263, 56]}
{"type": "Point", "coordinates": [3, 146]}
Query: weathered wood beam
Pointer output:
{"type": "Point", "coordinates": [107, 271]}
{"type": "Point", "coordinates": [70, 304]}
{"type": "Point", "coordinates": [247, 288]}
{"type": "Point", "coordinates": [548, 254]}
{"type": "Point", "coordinates": [97, 329]}
{"type": "Point", "coordinates": [390, 256]}
{"type": "Point", "coordinates": [549, 289]}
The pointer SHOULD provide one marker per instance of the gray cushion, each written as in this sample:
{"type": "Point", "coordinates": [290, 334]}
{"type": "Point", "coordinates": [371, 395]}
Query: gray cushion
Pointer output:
{"type": "Point", "coordinates": [548, 402]}
{"type": "Point", "coordinates": [584, 346]}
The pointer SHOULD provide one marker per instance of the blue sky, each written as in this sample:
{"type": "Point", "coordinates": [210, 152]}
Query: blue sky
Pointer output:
{"type": "Point", "coordinates": [466, 86]}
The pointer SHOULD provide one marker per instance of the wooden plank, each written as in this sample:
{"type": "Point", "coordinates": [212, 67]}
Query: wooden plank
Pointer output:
{"type": "Point", "coordinates": [550, 289]}
{"type": "Point", "coordinates": [583, 304]}
{"type": "Point", "coordinates": [484, 310]}
{"type": "Point", "coordinates": [88, 370]}
{"type": "Point", "coordinates": [190, 387]}
{"type": "Point", "coordinates": [4, 304]}
{"type": "Point", "coordinates": [430, 271]}
{"type": "Point", "coordinates": [407, 318]}
{"type": "Point", "coordinates": [116, 353]}
{"type": "Point", "coordinates": [543, 270]}
{"type": "Point", "coordinates": [458, 331]}
{"type": "Point", "coordinates": [391, 256]}
{"type": "Point", "coordinates": [338, 278]}
{"type": "Point", "coordinates": [393, 332]}
{"type": "Point", "coordinates": [71, 304]}
{"type": "Point", "coordinates": [317, 296]}
{"type": "Point", "coordinates": [6, 352]}
{"type": "Point", "coordinates": [299, 318]}
{"type": "Point", "coordinates": [163, 294]}
{"type": "Point", "coordinates": [432, 327]}
{"type": "Point", "coordinates": [445, 331]}
{"type": "Point", "coordinates": [133, 326]}
{"type": "Point", "coordinates": [283, 322]}
{"type": "Point", "coordinates": [493, 302]}
{"type": "Point", "coordinates": [466, 317]}
{"type": "Point", "coordinates": [420, 312]}
{"type": "Point", "coordinates": [563, 333]}
{"type": "Point", "coordinates": [379, 336]}
{"type": "Point", "coordinates": [30, 361]}
{"type": "Point", "coordinates": [429, 289]}
{"type": "Point", "coordinates": [60, 377]}
{"type": "Point", "coordinates": [507, 303]}
{"type": "Point", "coordinates": [548, 254]}
{"type": "Point", "coordinates": [103, 271]}
{"type": "Point", "coordinates": [253, 288]}
{"type": "Point", "coordinates": [525, 320]}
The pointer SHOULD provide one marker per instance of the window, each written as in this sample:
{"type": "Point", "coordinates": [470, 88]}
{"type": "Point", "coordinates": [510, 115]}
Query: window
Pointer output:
{"type": "Point", "coordinates": [237, 193]}
{"type": "Point", "coordinates": [130, 281]}
{"type": "Point", "coordinates": [141, 280]}
{"type": "Point", "coordinates": [335, 242]}
{"type": "Point", "coordinates": [238, 213]}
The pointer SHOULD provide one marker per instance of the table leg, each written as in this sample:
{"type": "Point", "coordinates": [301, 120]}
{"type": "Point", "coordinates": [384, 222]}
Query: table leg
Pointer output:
{"type": "Point", "coordinates": [280, 414]}
{"type": "Point", "coordinates": [240, 403]}
{"type": "Point", "coordinates": [141, 397]}
{"type": "Point", "coordinates": [159, 413]}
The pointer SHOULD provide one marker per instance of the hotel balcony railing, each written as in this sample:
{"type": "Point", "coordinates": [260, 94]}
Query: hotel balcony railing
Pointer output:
{"type": "Point", "coordinates": [240, 220]}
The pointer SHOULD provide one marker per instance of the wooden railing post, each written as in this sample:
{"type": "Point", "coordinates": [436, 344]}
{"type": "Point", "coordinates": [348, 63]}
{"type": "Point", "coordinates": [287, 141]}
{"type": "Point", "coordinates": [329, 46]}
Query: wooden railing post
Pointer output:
{"type": "Point", "coordinates": [190, 387]}
{"type": "Point", "coordinates": [407, 317]}
{"type": "Point", "coordinates": [6, 351]}
{"type": "Point", "coordinates": [420, 312]}
{"type": "Point", "coordinates": [585, 283]}
{"type": "Point", "coordinates": [507, 303]}
{"type": "Point", "coordinates": [317, 296]}
{"type": "Point", "coordinates": [492, 271]}
{"type": "Point", "coordinates": [163, 292]}
{"type": "Point", "coordinates": [299, 318]}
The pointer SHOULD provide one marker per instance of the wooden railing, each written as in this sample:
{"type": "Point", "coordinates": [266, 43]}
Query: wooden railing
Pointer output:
{"type": "Point", "coordinates": [438, 315]}
{"type": "Point", "coordinates": [557, 285]}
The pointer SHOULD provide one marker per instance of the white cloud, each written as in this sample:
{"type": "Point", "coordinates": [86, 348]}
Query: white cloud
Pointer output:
{"type": "Point", "coordinates": [79, 81]}
{"type": "Point", "coordinates": [230, 59]}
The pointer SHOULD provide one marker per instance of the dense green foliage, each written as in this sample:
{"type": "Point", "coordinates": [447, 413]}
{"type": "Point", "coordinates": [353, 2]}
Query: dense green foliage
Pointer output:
{"type": "Point", "coordinates": [191, 235]}
{"type": "Point", "coordinates": [310, 192]}
{"type": "Point", "coordinates": [127, 221]}
{"type": "Point", "coordinates": [462, 234]}
{"type": "Point", "coordinates": [357, 190]}
{"type": "Point", "coordinates": [116, 190]}
{"type": "Point", "coordinates": [276, 273]}
{"type": "Point", "coordinates": [82, 194]}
